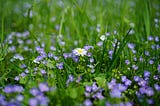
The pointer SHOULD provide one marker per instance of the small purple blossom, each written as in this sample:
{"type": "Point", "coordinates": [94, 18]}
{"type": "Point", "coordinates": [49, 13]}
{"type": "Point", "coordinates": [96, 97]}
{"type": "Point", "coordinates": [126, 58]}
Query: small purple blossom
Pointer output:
{"type": "Point", "coordinates": [33, 102]}
{"type": "Point", "coordinates": [137, 78]}
{"type": "Point", "coordinates": [151, 61]}
{"type": "Point", "coordinates": [87, 102]}
{"type": "Point", "coordinates": [60, 65]}
{"type": "Point", "coordinates": [127, 62]}
{"type": "Point", "coordinates": [128, 82]}
{"type": "Point", "coordinates": [88, 47]}
{"type": "Point", "coordinates": [34, 91]}
{"type": "Point", "coordinates": [157, 87]}
{"type": "Point", "coordinates": [146, 73]}
{"type": "Point", "coordinates": [131, 45]}
{"type": "Point", "coordinates": [43, 87]}
{"type": "Point", "coordinates": [43, 72]}
{"type": "Point", "coordinates": [100, 43]}
{"type": "Point", "coordinates": [115, 93]}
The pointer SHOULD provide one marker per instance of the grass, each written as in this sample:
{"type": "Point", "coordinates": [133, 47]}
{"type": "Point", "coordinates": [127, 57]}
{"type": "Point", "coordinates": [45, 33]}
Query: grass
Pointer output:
{"type": "Point", "coordinates": [38, 52]}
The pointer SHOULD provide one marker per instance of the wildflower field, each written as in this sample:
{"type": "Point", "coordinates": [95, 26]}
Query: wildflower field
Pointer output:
{"type": "Point", "coordinates": [79, 53]}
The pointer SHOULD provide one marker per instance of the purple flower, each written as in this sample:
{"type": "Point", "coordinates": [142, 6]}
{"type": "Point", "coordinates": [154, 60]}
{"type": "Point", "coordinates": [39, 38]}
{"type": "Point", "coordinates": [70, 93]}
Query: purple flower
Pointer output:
{"type": "Point", "coordinates": [91, 60]}
{"type": "Point", "coordinates": [146, 73]}
{"type": "Point", "coordinates": [94, 87]}
{"type": "Point", "coordinates": [147, 53]}
{"type": "Point", "coordinates": [115, 93]}
{"type": "Point", "coordinates": [88, 47]}
{"type": "Point", "coordinates": [70, 79]}
{"type": "Point", "coordinates": [150, 101]}
{"type": "Point", "coordinates": [19, 98]}
{"type": "Point", "coordinates": [42, 100]}
{"type": "Point", "coordinates": [121, 87]}
{"type": "Point", "coordinates": [158, 68]}
{"type": "Point", "coordinates": [53, 48]}
{"type": "Point", "coordinates": [149, 91]}
{"type": "Point", "coordinates": [131, 45]}
{"type": "Point", "coordinates": [141, 59]}
{"type": "Point", "coordinates": [87, 102]}
{"type": "Point", "coordinates": [75, 58]}
{"type": "Point", "coordinates": [110, 54]}
{"type": "Point", "coordinates": [112, 84]}
{"type": "Point", "coordinates": [17, 88]}
{"type": "Point", "coordinates": [142, 90]}
{"type": "Point", "coordinates": [34, 91]}
{"type": "Point", "coordinates": [50, 55]}
{"type": "Point", "coordinates": [23, 74]}
{"type": "Point", "coordinates": [107, 104]}
{"type": "Point", "coordinates": [142, 83]}
{"type": "Point", "coordinates": [43, 72]}
{"type": "Point", "coordinates": [124, 78]}
{"type": "Point", "coordinates": [67, 55]}
{"type": "Point", "coordinates": [13, 88]}
{"type": "Point", "coordinates": [157, 87]}
{"type": "Point", "coordinates": [60, 65]}
{"type": "Point", "coordinates": [43, 87]}
{"type": "Point", "coordinates": [17, 78]}
{"type": "Point", "coordinates": [98, 95]}
{"type": "Point", "coordinates": [137, 78]}
{"type": "Point", "coordinates": [135, 67]}
{"type": "Point", "coordinates": [99, 43]}
{"type": "Point", "coordinates": [127, 62]}
{"type": "Point", "coordinates": [33, 102]}
{"type": "Point", "coordinates": [18, 56]}
{"type": "Point", "coordinates": [157, 39]}
{"type": "Point", "coordinates": [88, 88]}
{"type": "Point", "coordinates": [128, 82]}
{"type": "Point", "coordinates": [26, 71]}
{"type": "Point", "coordinates": [151, 61]}
{"type": "Point", "coordinates": [23, 66]}
{"type": "Point", "coordinates": [56, 58]}
{"type": "Point", "coordinates": [150, 38]}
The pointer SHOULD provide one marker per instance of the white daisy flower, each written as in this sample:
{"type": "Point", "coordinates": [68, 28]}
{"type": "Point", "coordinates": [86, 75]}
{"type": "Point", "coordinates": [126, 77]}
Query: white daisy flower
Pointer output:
{"type": "Point", "coordinates": [79, 52]}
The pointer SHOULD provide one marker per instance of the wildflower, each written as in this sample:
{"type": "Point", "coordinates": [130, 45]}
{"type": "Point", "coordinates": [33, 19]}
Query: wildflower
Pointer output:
{"type": "Point", "coordinates": [87, 102]}
{"type": "Point", "coordinates": [103, 37]}
{"type": "Point", "coordinates": [131, 45]}
{"type": "Point", "coordinates": [99, 43]}
{"type": "Point", "coordinates": [115, 93]}
{"type": "Point", "coordinates": [151, 61]}
{"type": "Point", "coordinates": [88, 47]}
{"type": "Point", "coordinates": [19, 97]}
{"type": "Point", "coordinates": [33, 102]}
{"type": "Point", "coordinates": [127, 62]}
{"type": "Point", "coordinates": [43, 72]}
{"type": "Point", "coordinates": [60, 65]}
{"type": "Point", "coordinates": [70, 79]}
{"type": "Point", "coordinates": [34, 91]}
{"type": "Point", "coordinates": [157, 39]}
{"type": "Point", "coordinates": [150, 38]}
{"type": "Point", "coordinates": [146, 73]}
{"type": "Point", "coordinates": [157, 87]}
{"type": "Point", "coordinates": [43, 87]}
{"type": "Point", "coordinates": [158, 68]}
{"type": "Point", "coordinates": [79, 52]}
{"type": "Point", "coordinates": [18, 56]}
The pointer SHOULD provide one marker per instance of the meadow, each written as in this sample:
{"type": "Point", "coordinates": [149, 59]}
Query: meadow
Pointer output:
{"type": "Point", "coordinates": [79, 53]}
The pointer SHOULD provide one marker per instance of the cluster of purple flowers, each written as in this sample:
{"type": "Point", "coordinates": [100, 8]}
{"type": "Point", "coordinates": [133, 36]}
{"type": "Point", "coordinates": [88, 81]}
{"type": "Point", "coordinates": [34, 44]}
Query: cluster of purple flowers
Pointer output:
{"type": "Point", "coordinates": [10, 89]}
{"type": "Point", "coordinates": [118, 88]}
{"type": "Point", "coordinates": [92, 92]}
{"type": "Point", "coordinates": [13, 89]}
{"type": "Point", "coordinates": [39, 97]}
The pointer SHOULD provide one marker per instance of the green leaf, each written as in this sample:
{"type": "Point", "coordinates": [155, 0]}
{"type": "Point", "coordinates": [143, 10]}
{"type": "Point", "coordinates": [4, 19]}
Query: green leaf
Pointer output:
{"type": "Point", "coordinates": [101, 81]}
